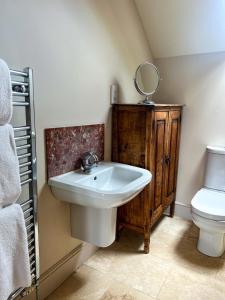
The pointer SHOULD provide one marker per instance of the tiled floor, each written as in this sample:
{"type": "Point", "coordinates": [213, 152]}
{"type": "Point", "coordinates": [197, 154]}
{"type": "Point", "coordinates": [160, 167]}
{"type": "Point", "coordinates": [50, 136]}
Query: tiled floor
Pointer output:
{"type": "Point", "coordinates": [174, 269]}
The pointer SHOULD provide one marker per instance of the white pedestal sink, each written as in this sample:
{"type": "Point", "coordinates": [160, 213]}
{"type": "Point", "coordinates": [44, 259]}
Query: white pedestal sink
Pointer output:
{"type": "Point", "coordinates": [95, 196]}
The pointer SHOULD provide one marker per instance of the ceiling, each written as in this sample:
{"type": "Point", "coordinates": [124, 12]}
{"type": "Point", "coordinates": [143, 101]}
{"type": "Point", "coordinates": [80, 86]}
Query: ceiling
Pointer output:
{"type": "Point", "coordinates": [183, 27]}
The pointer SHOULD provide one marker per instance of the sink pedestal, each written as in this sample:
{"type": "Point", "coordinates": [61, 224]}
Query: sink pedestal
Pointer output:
{"type": "Point", "coordinates": [93, 225]}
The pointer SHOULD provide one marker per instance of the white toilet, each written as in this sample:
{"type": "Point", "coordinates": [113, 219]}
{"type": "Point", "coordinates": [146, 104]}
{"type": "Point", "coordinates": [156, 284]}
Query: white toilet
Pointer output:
{"type": "Point", "coordinates": [208, 205]}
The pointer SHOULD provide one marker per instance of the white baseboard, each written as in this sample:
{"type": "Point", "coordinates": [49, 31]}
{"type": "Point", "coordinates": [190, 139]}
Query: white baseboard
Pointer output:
{"type": "Point", "coordinates": [58, 273]}
{"type": "Point", "coordinates": [181, 210]}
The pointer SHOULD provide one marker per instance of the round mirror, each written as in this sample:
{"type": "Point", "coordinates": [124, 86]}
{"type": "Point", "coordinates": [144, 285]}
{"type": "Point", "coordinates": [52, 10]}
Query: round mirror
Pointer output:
{"type": "Point", "coordinates": [146, 81]}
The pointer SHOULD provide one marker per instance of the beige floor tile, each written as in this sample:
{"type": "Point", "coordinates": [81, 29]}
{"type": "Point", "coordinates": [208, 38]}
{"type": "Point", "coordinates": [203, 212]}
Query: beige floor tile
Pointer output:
{"type": "Point", "coordinates": [118, 291]}
{"type": "Point", "coordinates": [174, 269]}
{"type": "Point", "coordinates": [180, 249]}
{"type": "Point", "coordinates": [200, 265]}
{"type": "Point", "coordinates": [86, 284]}
{"type": "Point", "coordinates": [143, 272]}
{"type": "Point", "coordinates": [172, 226]}
{"type": "Point", "coordinates": [221, 272]}
{"type": "Point", "coordinates": [167, 246]}
{"type": "Point", "coordinates": [131, 243]}
{"type": "Point", "coordinates": [183, 253]}
{"type": "Point", "coordinates": [185, 286]}
{"type": "Point", "coordinates": [193, 231]}
{"type": "Point", "coordinates": [103, 258]}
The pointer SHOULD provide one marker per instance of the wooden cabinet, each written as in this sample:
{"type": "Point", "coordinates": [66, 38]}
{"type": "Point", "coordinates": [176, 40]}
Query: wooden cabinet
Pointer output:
{"type": "Point", "coordinates": [147, 137]}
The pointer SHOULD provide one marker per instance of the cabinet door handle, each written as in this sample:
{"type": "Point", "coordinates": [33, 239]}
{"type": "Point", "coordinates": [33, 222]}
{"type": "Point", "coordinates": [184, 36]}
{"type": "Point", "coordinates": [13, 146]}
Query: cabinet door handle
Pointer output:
{"type": "Point", "coordinates": [167, 159]}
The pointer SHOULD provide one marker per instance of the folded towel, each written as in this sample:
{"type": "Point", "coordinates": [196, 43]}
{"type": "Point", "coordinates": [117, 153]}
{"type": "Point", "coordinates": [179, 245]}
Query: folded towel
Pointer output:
{"type": "Point", "coordinates": [5, 94]}
{"type": "Point", "coordinates": [10, 187]}
{"type": "Point", "coordinates": [14, 255]}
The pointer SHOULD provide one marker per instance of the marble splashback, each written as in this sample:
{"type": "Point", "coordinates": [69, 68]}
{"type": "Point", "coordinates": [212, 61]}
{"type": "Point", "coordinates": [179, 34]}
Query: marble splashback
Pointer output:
{"type": "Point", "coordinates": [65, 146]}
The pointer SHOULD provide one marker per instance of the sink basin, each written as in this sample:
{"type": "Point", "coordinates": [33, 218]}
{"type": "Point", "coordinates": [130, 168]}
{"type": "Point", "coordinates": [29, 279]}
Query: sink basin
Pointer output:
{"type": "Point", "coordinates": [108, 185]}
{"type": "Point", "coordinates": [95, 196]}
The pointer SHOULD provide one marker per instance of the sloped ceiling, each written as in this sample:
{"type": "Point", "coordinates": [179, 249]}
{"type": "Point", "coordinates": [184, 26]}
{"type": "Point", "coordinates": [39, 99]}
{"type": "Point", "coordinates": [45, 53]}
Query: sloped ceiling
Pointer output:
{"type": "Point", "coordinates": [183, 27]}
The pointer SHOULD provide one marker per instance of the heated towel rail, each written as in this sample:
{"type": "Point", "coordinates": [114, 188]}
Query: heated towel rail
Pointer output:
{"type": "Point", "coordinates": [23, 122]}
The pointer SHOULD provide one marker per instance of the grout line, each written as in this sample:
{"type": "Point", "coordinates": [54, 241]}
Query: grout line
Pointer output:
{"type": "Point", "coordinates": [164, 281]}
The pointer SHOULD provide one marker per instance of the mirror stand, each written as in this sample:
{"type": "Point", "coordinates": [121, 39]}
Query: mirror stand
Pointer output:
{"type": "Point", "coordinates": [148, 101]}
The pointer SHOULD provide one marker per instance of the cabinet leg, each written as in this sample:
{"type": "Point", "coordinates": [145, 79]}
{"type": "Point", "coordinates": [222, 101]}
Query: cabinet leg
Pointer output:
{"type": "Point", "coordinates": [172, 209]}
{"type": "Point", "coordinates": [147, 239]}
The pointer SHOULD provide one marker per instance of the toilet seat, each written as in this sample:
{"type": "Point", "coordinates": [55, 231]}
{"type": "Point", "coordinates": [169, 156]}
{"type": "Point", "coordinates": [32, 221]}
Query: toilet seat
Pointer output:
{"type": "Point", "coordinates": [209, 204]}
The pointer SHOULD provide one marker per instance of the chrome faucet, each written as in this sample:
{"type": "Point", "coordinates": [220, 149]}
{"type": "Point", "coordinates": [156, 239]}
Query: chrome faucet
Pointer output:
{"type": "Point", "coordinates": [88, 161]}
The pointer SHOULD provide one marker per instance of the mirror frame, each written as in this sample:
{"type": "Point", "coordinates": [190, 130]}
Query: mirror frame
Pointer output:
{"type": "Point", "coordinates": [148, 95]}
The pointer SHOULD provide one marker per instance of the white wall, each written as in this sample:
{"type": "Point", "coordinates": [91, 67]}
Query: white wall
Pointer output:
{"type": "Point", "coordinates": [198, 81]}
{"type": "Point", "coordinates": [77, 49]}
{"type": "Point", "coordinates": [182, 27]}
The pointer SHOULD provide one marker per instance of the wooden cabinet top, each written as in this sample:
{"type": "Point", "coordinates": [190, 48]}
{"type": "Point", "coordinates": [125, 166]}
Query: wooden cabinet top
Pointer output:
{"type": "Point", "coordinates": [156, 106]}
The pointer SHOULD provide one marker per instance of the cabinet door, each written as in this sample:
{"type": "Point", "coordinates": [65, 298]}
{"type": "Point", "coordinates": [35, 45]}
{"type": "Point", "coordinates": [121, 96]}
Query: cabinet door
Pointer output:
{"type": "Point", "coordinates": [171, 156]}
{"type": "Point", "coordinates": [159, 145]}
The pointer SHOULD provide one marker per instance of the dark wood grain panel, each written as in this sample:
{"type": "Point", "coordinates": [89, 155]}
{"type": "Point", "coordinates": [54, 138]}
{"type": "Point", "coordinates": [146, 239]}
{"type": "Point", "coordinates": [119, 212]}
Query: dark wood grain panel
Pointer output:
{"type": "Point", "coordinates": [133, 212]}
{"type": "Point", "coordinates": [161, 120]}
{"type": "Point", "coordinates": [131, 137]}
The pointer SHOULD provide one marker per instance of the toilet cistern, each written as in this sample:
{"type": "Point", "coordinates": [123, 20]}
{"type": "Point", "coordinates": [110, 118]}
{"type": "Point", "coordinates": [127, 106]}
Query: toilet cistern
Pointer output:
{"type": "Point", "coordinates": [95, 196]}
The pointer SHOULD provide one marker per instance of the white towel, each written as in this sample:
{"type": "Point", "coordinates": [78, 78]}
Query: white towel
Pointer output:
{"type": "Point", "coordinates": [14, 255]}
{"type": "Point", "coordinates": [10, 187]}
{"type": "Point", "coordinates": [5, 94]}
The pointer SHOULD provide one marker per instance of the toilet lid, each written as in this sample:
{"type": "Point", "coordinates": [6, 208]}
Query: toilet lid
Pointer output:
{"type": "Point", "coordinates": [209, 204]}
